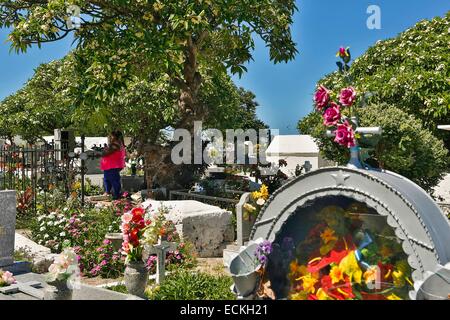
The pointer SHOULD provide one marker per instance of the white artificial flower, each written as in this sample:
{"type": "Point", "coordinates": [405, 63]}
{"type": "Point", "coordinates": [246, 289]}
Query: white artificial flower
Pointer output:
{"type": "Point", "coordinates": [62, 234]}
{"type": "Point", "coordinates": [260, 201]}
{"type": "Point", "coordinates": [50, 223]}
{"type": "Point", "coordinates": [46, 236]}
{"type": "Point", "coordinates": [42, 229]}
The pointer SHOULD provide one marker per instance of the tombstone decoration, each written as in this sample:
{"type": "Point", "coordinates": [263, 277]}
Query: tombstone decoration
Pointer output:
{"type": "Point", "coordinates": [161, 249]}
{"type": "Point", "coordinates": [353, 232]}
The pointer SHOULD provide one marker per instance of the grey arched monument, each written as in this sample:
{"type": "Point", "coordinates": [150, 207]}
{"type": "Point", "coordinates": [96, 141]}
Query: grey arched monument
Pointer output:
{"type": "Point", "coordinates": [417, 220]}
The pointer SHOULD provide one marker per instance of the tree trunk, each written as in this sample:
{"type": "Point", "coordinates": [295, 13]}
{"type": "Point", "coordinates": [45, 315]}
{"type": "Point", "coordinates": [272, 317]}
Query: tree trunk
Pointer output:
{"type": "Point", "coordinates": [159, 168]}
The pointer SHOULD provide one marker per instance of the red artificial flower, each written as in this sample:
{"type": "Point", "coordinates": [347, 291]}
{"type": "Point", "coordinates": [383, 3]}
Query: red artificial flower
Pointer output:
{"type": "Point", "coordinates": [134, 238]}
{"type": "Point", "coordinates": [137, 211]}
{"type": "Point", "coordinates": [333, 257]}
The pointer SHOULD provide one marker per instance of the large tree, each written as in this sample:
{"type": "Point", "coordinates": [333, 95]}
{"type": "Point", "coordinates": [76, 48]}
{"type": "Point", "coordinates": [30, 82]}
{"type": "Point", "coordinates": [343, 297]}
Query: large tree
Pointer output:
{"type": "Point", "coordinates": [121, 39]}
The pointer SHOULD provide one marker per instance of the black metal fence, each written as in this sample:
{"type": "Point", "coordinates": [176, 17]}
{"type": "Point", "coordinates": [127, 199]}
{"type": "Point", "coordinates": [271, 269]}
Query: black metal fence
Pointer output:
{"type": "Point", "coordinates": [34, 171]}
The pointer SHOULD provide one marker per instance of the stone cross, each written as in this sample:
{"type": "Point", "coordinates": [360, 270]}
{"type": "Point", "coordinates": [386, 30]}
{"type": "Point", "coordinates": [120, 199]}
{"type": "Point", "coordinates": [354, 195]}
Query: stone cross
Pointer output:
{"type": "Point", "coordinates": [355, 161]}
{"type": "Point", "coordinates": [160, 249]}
{"type": "Point", "coordinates": [307, 166]}
{"type": "Point", "coordinates": [30, 288]}
{"type": "Point", "coordinates": [7, 227]}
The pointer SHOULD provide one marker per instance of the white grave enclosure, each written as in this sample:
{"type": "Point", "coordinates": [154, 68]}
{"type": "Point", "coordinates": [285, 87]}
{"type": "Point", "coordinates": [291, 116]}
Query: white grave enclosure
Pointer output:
{"type": "Point", "coordinates": [295, 150]}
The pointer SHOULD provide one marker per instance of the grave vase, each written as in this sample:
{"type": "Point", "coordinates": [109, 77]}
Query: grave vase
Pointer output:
{"type": "Point", "coordinates": [59, 290]}
{"type": "Point", "coordinates": [136, 277]}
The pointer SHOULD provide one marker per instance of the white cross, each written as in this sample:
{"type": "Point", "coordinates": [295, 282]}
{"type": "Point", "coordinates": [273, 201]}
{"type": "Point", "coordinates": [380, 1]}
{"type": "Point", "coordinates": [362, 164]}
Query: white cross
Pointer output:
{"type": "Point", "coordinates": [160, 249]}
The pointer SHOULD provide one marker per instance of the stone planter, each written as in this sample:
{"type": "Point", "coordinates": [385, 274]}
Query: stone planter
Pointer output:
{"type": "Point", "coordinates": [136, 278]}
{"type": "Point", "coordinates": [58, 290]}
{"type": "Point", "coordinates": [116, 240]}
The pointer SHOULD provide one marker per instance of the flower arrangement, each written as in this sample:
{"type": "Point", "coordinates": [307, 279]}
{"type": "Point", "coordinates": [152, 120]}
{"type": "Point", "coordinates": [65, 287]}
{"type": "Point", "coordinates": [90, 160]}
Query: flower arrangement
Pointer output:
{"type": "Point", "coordinates": [133, 225]}
{"type": "Point", "coordinates": [64, 267]}
{"type": "Point", "coordinates": [263, 251]}
{"type": "Point", "coordinates": [337, 109]}
{"type": "Point", "coordinates": [159, 227]}
{"type": "Point", "coordinates": [6, 278]}
{"type": "Point", "coordinates": [257, 201]}
{"type": "Point", "coordinates": [340, 260]}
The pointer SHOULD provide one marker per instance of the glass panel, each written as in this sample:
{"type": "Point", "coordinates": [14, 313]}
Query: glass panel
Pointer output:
{"type": "Point", "coordinates": [338, 249]}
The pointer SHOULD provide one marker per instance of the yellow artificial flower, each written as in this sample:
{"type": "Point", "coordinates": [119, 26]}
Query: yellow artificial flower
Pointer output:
{"type": "Point", "coordinates": [336, 274]}
{"type": "Point", "coordinates": [328, 235]}
{"type": "Point", "coordinates": [308, 283]}
{"type": "Point", "coordinates": [349, 265]}
{"type": "Point", "coordinates": [302, 295]}
{"type": "Point", "coordinates": [399, 278]}
{"type": "Point", "coordinates": [249, 208]}
{"type": "Point", "coordinates": [264, 192]}
{"type": "Point", "coordinates": [322, 295]}
{"type": "Point", "coordinates": [393, 296]}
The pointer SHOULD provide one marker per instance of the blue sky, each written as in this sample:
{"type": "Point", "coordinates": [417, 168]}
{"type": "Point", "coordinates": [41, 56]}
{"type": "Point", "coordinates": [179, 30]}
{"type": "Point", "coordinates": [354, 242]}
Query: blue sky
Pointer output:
{"type": "Point", "coordinates": [284, 91]}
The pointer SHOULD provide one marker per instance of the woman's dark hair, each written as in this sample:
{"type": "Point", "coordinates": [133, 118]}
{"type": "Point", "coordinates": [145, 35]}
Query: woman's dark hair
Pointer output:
{"type": "Point", "coordinates": [117, 134]}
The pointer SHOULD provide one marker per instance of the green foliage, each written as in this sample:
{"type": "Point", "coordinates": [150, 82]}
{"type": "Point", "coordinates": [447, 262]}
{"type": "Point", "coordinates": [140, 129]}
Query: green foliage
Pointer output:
{"type": "Point", "coordinates": [406, 147]}
{"type": "Point", "coordinates": [185, 285]}
{"type": "Point", "coordinates": [42, 105]}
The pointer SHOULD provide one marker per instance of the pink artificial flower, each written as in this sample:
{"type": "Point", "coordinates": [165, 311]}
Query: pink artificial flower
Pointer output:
{"type": "Point", "coordinates": [127, 217]}
{"type": "Point", "coordinates": [126, 247]}
{"type": "Point", "coordinates": [322, 97]}
{"type": "Point", "coordinates": [347, 96]}
{"type": "Point", "coordinates": [8, 278]}
{"type": "Point", "coordinates": [345, 135]}
{"type": "Point", "coordinates": [332, 115]}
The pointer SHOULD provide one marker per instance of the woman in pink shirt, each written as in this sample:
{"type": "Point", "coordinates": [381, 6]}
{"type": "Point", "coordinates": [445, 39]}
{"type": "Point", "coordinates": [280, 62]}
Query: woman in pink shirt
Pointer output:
{"type": "Point", "coordinates": [112, 162]}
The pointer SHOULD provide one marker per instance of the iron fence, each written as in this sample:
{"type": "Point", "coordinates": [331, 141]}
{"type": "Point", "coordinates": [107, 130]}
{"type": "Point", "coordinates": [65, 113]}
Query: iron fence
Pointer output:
{"type": "Point", "coordinates": [35, 171]}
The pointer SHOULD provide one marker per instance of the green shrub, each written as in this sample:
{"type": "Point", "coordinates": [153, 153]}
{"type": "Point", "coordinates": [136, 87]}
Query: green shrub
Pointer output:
{"type": "Point", "coordinates": [185, 285]}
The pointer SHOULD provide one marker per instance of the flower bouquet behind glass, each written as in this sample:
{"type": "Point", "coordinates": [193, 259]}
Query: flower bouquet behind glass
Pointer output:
{"type": "Point", "coordinates": [64, 274]}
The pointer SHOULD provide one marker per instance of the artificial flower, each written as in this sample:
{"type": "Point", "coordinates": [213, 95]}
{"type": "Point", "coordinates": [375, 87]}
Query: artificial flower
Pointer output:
{"type": "Point", "coordinates": [321, 97]}
{"type": "Point", "coordinates": [332, 115]}
{"type": "Point", "coordinates": [345, 135]}
{"type": "Point", "coordinates": [308, 283]}
{"type": "Point", "coordinates": [328, 235]}
{"type": "Point", "coordinates": [322, 295]}
{"type": "Point", "coordinates": [347, 96]}
{"type": "Point", "coordinates": [334, 257]}
{"type": "Point", "coordinates": [393, 296]}
{"type": "Point", "coordinates": [249, 208]}
{"type": "Point", "coordinates": [336, 274]}
{"type": "Point", "coordinates": [350, 267]}
{"type": "Point", "coordinates": [260, 202]}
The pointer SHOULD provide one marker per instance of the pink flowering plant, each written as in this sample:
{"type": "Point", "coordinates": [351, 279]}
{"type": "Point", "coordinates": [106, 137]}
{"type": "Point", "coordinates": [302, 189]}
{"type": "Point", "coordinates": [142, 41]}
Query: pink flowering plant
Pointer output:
{"type": "Point", "coordinates": [6, 278]}
{"type": "Point", "coordinates": [338, 108]}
